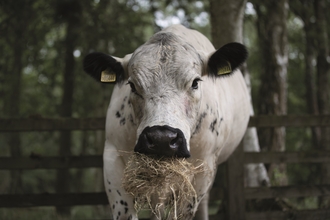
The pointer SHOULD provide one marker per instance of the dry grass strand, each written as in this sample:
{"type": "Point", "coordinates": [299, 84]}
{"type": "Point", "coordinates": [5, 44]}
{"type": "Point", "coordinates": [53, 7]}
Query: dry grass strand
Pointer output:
{"type": "Point", "coordinates": [163, 185]}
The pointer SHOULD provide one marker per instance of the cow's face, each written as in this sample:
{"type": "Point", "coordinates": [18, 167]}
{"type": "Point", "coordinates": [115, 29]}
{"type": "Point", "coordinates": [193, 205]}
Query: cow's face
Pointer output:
{"type": "Point", "coordinates": [165, 80]}
{"type": "Point", "coordinates": [165, 77]}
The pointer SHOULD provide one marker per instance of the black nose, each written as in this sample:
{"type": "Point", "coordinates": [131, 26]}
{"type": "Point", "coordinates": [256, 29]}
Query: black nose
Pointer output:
{"type": "Point", "coordinates": [163, 141]}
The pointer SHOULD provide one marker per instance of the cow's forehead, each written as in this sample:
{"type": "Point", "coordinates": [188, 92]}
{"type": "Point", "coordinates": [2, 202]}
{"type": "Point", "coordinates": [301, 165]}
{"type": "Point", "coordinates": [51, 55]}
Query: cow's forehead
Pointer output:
{"type": "Point", "coordinates": [167, 57]}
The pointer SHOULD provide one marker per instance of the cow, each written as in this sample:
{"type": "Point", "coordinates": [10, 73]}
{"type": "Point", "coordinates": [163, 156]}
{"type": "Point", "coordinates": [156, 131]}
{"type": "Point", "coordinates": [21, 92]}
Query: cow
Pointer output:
{"type": "Point", "coordinates": [174, 96]}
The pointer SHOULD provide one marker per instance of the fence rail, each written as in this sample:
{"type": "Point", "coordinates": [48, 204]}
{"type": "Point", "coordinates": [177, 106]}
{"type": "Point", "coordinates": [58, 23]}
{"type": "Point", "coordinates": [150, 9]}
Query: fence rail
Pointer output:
{"type": "Point", "coordinates": [286, 192]}
{"type": "Point", "coordinates": [316, 214]}
{"type": "Point", "coordinates": [95, 161]}
{"type": "Point", "coordinates": [99, 198]}
{"type": "Point", "coordinates": [51, 124]}
{"type": "Point", "coordinates": [47, 199]}
{"type": "Point", "coordinates": [39, 162]}
{"type": "Point", "coordinates": [60, 124]}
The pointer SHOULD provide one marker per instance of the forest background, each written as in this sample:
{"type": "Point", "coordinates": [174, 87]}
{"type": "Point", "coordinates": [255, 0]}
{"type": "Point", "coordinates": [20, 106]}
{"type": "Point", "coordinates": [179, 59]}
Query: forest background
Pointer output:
{"type": "Point", "coordinates": [43, 44]}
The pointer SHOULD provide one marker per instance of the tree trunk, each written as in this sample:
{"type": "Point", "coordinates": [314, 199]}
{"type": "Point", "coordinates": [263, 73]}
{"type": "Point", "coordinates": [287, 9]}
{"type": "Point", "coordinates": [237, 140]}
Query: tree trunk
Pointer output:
{"type": "Point", "coordinates": [70, 12]}
{"type": "Point", "coordinates": [311, 96]}
{"type": "Point", "coordinates": [272, 35]}
{"type": "Point", "coordinates": [304, 10]}
{"type": "Point", "coordinates": [225, 29]}
{"type": "Point", "coordinates": [12, 110]}
{"type": "Point", "coordinates": [63, 175]}
{"type": "Point", "coordinates": [15, 27]}
{"type": "Point", "coordinates": [229, 26]}
{"type": "Point", "coordinates": [323, 90]}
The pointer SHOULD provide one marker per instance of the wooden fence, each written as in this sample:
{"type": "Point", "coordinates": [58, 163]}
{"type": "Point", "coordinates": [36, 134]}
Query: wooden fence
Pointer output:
{"type": "Point", "coordinates": [235, 194]}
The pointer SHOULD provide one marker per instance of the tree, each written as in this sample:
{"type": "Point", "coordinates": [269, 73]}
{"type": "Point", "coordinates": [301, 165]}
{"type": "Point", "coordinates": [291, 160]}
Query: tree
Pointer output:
{"type": "Point", "coordinates": [323, 90]}
{"type": "Point", "coordinates": [70, 12]}
{"type": "Point", "coordinates": [225, 29]}
{"type": "Point", "coordinates": [305, 11]}
{"type": "Point", "coordinates": [271, 24]}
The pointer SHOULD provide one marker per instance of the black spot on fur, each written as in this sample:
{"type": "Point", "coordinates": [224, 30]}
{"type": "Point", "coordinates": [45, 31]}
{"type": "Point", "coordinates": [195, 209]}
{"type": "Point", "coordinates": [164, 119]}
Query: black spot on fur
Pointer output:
{"type": "Point", "coordinates": [118, 114]}
{"type": "Point", "coordinates": [108, 182]}
{"type": "Point", "coordinates": [122, 107]}
{"type": "Point", "coordinates": [109, 190]}
{"type": "Point", "coordinates": [122, 121]}
{"type": "Point", "coordinates": [130, 118]}
{"type": "Point", "coordinates": [126, 210]}
{"type": "Point", "coordinates": [212, 125]}
{"type": "Point", "coordinates": [199, 123]}
{"type": "Point", "coordinates": [113, 206]}
{"type": "Point", "coordinates": [122, 202]}
{"type": "Point", "coordinates": [118, 194]}
{"type": "Point", "coordinates": [130, 217]}
{"type": "Point", "coordinates": [119, 213]}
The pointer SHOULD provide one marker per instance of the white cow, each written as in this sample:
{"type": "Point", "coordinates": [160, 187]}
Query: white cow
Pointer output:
{"type": "Point", "coordinates": [175, 96]}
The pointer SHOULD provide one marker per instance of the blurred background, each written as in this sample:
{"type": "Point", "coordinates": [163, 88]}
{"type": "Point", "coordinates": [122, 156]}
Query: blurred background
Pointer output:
{"type": "Point", "coordinates": [43, 43]}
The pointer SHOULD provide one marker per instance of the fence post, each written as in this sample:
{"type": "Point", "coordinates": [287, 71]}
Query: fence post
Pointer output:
{"type": "Point", "coordinates": [235, 185]}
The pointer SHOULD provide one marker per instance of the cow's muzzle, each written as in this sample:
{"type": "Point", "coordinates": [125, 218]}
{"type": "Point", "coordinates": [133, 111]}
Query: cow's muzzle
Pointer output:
{"type": "Point", "coordinates": [163, 141]}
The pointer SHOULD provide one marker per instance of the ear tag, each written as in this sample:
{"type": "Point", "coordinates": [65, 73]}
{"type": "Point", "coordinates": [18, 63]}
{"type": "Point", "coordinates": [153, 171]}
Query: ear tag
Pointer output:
{"type": "Point", "coordinates": [225, 69]}
{"type": "Point", "coordinates": [107, 76]}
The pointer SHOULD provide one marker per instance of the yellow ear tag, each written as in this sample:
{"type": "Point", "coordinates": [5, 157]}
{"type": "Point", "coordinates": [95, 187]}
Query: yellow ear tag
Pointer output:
{"type": "Point", "coordinates": [107, 76]}
{"type": "Point", "coordinates": [225, 69]}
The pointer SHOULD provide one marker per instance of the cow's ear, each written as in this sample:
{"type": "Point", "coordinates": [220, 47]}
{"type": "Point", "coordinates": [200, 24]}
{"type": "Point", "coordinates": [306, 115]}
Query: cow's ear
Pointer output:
{"type": "Point", "coordinates": [226, 59]}
{"type": "Point", "coordinates": [104, 68]}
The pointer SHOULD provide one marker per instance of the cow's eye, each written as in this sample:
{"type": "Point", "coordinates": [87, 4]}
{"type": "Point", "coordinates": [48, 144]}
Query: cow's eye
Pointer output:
{"type": "Point", "coordinates": [133, 89]}
{"type": "Point", "coordinates": [195, 83]}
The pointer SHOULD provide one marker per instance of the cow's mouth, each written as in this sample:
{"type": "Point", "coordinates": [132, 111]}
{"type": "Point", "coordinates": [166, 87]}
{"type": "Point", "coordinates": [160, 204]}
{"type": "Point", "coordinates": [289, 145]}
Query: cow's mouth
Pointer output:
{"type": "Point", "coordinates": [163, 141]}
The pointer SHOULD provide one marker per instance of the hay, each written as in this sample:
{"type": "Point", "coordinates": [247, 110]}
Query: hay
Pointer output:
{"type": "Point", "coordinates": [163, 185]}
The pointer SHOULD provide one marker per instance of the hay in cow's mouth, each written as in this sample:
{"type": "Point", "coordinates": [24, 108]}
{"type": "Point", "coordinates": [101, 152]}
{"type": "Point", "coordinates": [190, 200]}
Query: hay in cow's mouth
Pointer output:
{"type": "Point", "coordinates": [163, 185]}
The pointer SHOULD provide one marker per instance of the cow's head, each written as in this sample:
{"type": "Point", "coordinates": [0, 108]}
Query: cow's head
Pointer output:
{"type": "Point", "coordinates": [165, 75]}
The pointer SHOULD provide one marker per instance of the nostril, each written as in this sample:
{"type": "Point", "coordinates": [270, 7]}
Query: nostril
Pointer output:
{"type": "Point", "coordinates": [149, 140]}
{"type": "Point", "coordinates": [175, 143]}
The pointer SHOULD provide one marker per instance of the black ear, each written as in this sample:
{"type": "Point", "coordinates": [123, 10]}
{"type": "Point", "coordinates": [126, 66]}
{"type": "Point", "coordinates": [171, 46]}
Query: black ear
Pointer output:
{"type": "Point", "coordinates": [226, 59]}
{"type": "Point", "coordinates": [103, 68]}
